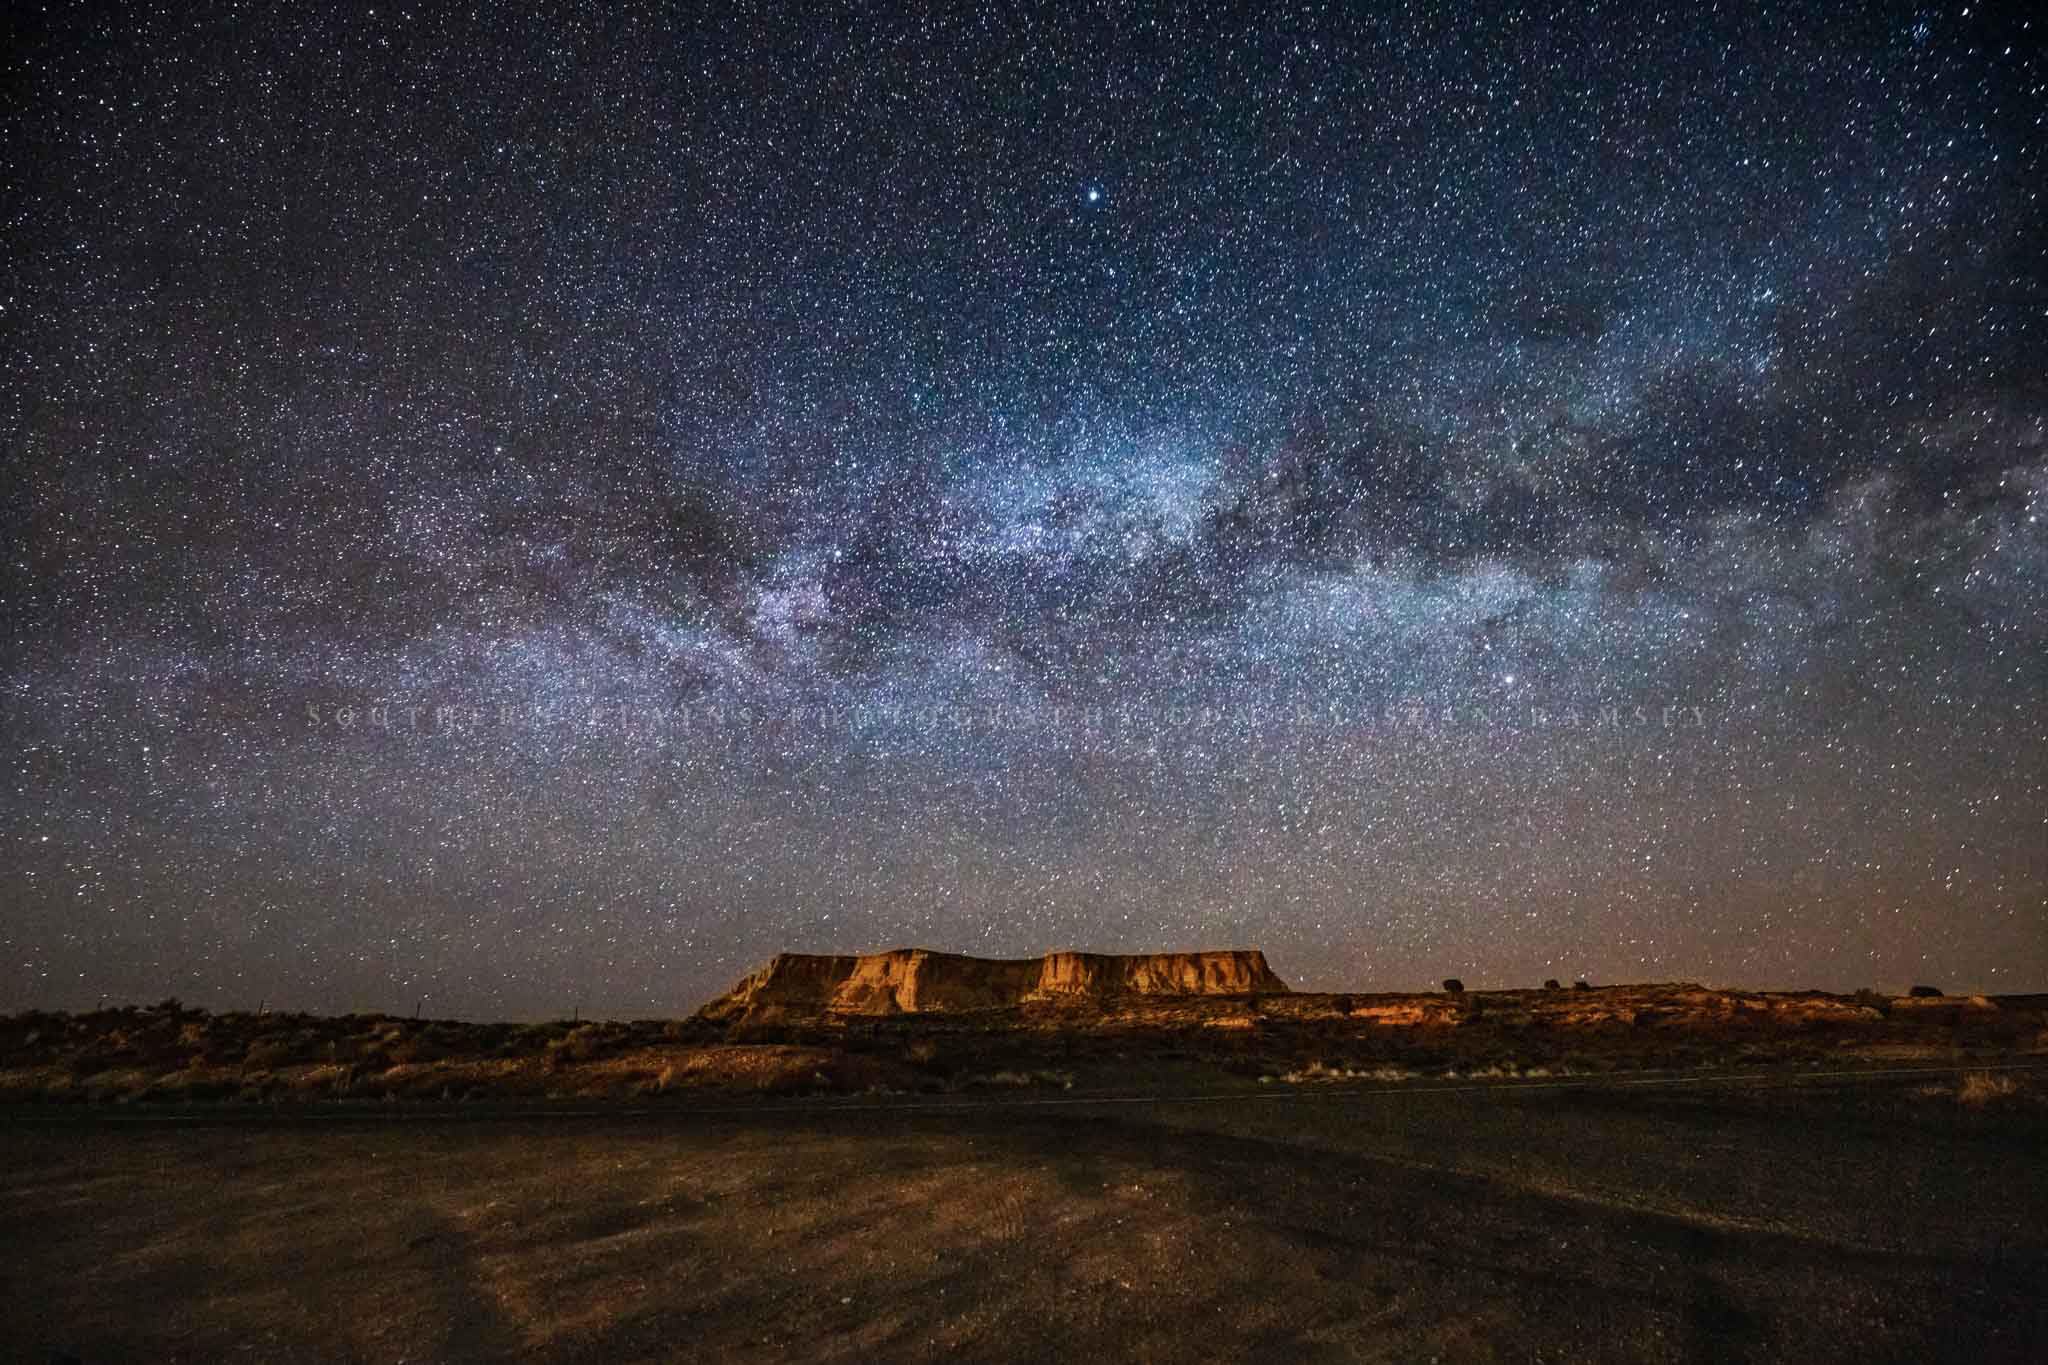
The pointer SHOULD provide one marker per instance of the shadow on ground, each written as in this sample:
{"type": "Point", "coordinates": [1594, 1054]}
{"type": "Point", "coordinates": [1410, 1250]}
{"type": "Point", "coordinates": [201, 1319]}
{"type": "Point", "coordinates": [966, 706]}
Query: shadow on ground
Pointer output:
{"type": "Point", "coordinates": [1541, 1226]}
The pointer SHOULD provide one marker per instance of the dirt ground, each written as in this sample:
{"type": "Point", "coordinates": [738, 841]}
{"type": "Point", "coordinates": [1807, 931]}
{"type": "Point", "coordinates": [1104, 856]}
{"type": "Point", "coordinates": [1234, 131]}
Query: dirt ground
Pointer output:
{"type": "Point", "coordinates": [1872, 1220]}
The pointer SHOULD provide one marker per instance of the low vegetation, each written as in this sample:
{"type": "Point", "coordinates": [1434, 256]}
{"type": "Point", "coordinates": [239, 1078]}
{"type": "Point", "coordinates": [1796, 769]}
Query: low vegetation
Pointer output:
{"type": "Point", "coordinates": [1317, 1071]}
{"type": "Point", "coordinates": [1980, 1088]}
{"type": "Point", "coordinates": [176, 1054]}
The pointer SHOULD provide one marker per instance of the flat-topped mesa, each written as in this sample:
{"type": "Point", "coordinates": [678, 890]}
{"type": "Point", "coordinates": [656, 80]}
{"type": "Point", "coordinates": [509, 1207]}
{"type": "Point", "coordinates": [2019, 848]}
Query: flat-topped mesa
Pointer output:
{"type": "Point", "coordinates": [920, 981]}
{"type": "Point", "coordinates": [1229, 972]}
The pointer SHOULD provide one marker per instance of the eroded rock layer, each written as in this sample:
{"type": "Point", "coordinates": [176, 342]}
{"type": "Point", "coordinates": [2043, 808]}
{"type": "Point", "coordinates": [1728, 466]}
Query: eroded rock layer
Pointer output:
{"type": "Point", "coordinates": [918, 981]}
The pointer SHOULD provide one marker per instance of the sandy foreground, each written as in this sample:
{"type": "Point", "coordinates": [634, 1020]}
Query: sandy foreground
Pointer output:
{"type": "Point", "coordinates": [1875, 1217]}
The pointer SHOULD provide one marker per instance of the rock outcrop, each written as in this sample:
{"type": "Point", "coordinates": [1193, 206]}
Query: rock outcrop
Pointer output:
{"type": "Point", "coordinates": [920, 981]}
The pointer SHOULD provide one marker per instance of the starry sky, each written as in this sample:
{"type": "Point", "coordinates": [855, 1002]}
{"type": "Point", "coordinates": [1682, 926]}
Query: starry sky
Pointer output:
{"type": "Point", "coordinates": [518, 509]}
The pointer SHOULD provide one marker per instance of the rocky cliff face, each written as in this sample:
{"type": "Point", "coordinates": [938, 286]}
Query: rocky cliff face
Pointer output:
{"type": "Point", "coordinates": [918, 981]}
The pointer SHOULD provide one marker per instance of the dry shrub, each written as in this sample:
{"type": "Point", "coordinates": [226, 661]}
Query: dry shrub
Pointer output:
{"type": "Point", "coordinates": [267, 1054]}
{"type": "Point", "coordinates": [1321, 1071]}
{"type": "Point", "coordinates": [418, 1051]}
{"type": "Point", "coordinates": [1063, 1080]}
{"type": "Point", "coordinates": [585, 1043]}
{"type": "Point", "coordinates": [327, 1078]}
{"type": "Point", "coordinates": [1980, 1088]}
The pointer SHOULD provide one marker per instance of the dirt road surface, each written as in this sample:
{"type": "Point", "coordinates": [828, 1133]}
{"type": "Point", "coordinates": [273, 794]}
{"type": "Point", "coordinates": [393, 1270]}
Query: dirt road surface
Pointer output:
{"type": "Point", "coordinates": [1869, 1218]}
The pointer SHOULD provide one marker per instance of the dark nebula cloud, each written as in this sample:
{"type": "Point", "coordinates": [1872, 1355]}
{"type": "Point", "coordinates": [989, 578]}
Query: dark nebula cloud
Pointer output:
{"type": "Point", "coordinates": [538, 509]}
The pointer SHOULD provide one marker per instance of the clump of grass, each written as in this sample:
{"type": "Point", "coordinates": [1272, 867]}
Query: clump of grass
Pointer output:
{"type": "Point", "coordinates": [1318, 1071]}
{"type": "Point", "coordinates": [585, 1043]}
{"type": "Point", "coordinates": [418, 1051]}
{"type": "Point", "coordinates": [1980, 1088]}
{"type": "Point", "coordinates": [267, 1054]}
{"type": "Point", "coordinates": [1063, 1080]}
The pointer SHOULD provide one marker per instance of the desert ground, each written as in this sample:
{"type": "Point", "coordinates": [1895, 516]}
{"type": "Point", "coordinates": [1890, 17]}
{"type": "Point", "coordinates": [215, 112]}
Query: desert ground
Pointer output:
{"type": "Point", "coordinates": [1649, 1173]}
{"type": "Point", "coordinates": [1881, 1217]}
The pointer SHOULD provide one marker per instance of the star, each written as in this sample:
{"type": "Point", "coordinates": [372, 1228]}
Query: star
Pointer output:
{"type": "Point", "coordinates": [533, 522]}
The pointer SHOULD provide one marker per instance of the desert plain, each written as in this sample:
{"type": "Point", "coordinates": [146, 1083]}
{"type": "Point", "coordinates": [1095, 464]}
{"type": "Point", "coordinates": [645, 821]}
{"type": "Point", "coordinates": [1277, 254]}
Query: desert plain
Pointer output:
{"type": "Point", "coordinates": [908, 1157]}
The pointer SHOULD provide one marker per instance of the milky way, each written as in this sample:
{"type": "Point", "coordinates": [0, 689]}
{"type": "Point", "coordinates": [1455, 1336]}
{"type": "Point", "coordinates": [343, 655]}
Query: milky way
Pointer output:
{"type": "Point", "coordinates": [522, 513]}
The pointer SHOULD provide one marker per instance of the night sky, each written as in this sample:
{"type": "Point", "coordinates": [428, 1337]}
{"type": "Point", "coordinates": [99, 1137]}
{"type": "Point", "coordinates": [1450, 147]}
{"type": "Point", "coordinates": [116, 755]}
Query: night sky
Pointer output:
{"type": "Point", "coordinates": [543, 512]}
